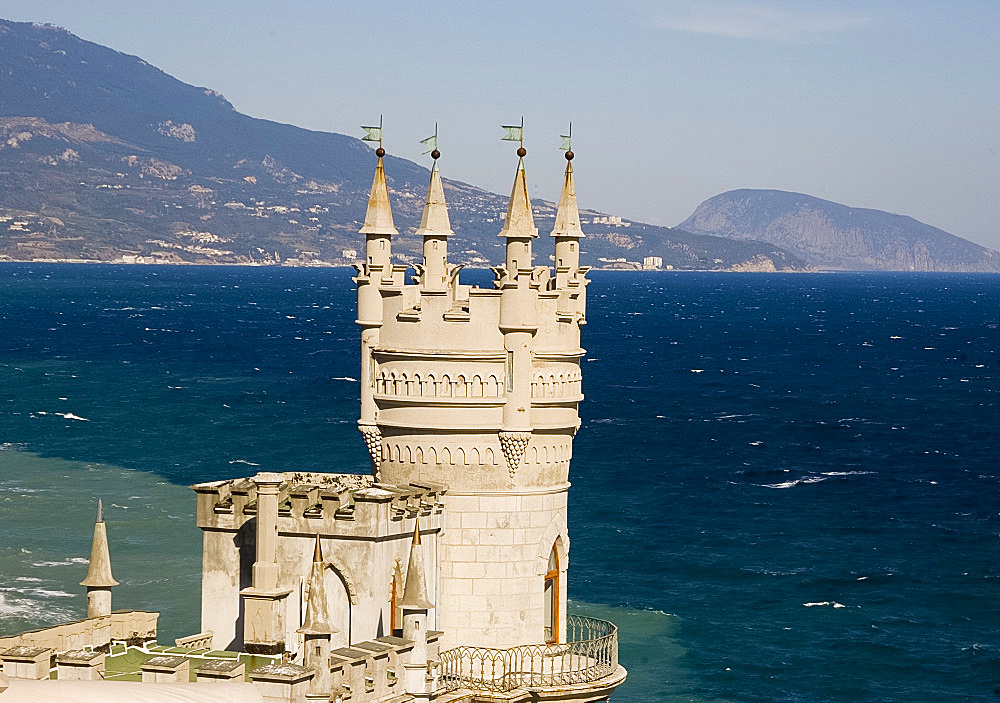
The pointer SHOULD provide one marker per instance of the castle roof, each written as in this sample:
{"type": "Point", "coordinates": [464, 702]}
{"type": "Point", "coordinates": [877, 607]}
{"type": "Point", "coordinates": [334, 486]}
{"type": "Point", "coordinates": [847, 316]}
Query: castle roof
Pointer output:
{"type": "Point", "coordinates": [378, 218]}
{"type": "Point", "coordinates": [415, 589]}
{"type": "Point", "coordinates": [435, 218]}
{"type": "Point", "coordinates": [99, 573]}
{"type": "Point", "coordinates": [568, 216]}
{"type": "Point", "coordinates": [519, 222]}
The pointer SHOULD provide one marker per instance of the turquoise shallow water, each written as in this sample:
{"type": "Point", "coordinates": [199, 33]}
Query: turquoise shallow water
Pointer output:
{"type": "Point", "coordinates": [48, 507]}
{"type": "Point", "coordinates": [784, 489]}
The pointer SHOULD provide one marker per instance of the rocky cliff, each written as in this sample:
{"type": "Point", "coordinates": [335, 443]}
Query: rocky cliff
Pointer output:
{"type": "Point", "coordinates": [829, 235]}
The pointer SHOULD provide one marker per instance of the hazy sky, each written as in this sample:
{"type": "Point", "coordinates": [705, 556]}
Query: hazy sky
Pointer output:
{"type": "Point", "coordinates": [890, 105]}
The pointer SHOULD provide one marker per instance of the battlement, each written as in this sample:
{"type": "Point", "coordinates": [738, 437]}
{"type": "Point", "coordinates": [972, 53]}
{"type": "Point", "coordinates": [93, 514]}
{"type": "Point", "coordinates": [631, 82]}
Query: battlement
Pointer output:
{"type": "Point", "coordinates": [310, 503]}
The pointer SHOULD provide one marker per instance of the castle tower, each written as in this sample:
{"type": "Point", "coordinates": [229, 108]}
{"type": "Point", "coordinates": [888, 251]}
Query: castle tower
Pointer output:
{"type": "Point", "coordinates": [99, 580]}
{"type": "Point", "coordinates": [478, 389]}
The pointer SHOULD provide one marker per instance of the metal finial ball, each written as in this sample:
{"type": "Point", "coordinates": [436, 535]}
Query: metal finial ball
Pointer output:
{"type": "Point", "coordinates": [435, 154]}
{"type": "Point", "coordinates": [521, 151]}
{"type": "Point", "coordinates": [569, 154]}
{"type": "Point", "coordinates": [380, 152]}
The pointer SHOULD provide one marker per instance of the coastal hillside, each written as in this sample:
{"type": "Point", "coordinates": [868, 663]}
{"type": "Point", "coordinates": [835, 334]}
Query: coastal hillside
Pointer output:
{"type": "Point", "coordinates": [829, 235]}
{"type": "Point", "coordinates": [104, 157]}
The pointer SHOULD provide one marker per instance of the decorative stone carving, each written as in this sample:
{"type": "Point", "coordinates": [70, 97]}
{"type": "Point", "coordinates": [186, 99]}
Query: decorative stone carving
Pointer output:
{"type": "Point", "coordinates": [373, 440]}
{"type": "Point", "coordinates": [513, 444]}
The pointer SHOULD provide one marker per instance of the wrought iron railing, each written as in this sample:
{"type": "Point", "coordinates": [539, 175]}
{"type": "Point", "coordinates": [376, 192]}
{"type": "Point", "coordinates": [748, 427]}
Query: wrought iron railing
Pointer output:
{"type": "Point", "coordinates": [589, 653]}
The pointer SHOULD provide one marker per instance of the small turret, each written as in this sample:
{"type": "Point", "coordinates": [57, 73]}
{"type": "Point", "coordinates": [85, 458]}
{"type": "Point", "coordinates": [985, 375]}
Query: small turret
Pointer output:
{"type": "Point", "coordinates": [518, 313]}
{"type": "Point", "coordinates": [373, 275]}
{"type": "Point", "coordinates": [435, 228]}
{"type": "Point", "coordinates": [378, 227]}
{"type": "Point", "coordinates": [99, 580]}
{"type": "Point", "coordinates": [567, 230]}
{"type": "Point", "coordinates": [317, 630]}
{"type": "Point", "coordinates": [519, 225]}
{"type": "Point", "coordinates": [415, 606]}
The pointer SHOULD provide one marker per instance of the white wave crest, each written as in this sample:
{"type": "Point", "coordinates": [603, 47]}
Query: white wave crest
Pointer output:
{"type": "Point", "coordinates": [796, 482]}
{"type": "Point", "coordinates": [831, 603]}
{"type": "Point", "coordinates": [65, 562]}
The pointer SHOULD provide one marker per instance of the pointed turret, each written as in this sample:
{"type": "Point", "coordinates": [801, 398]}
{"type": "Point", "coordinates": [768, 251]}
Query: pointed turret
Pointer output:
{"type": "Point", "coordinates": [435, 228]}
{"type": "Point", "coordinates": [415, 589]}
{"type": "Point", "coordinates": [317, 620]}
{"type": "Point", "coordinates": [518, 302]}
{"type": "Point", "coordinates": [434, 220]}
{"type": "Point", "coordinates": [415, 606]}
{"type": "Point", "coordinates": [379, 227]}
{"type": "Point", "coordinates": [567, 231]}
{"type": "Point", "coordinates": [99, 579]}
{"type": "Point", "coordinates": [317, 631]}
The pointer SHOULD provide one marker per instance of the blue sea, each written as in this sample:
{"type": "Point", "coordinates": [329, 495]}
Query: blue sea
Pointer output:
{"type": "Point", "coordinates": [785, 487]}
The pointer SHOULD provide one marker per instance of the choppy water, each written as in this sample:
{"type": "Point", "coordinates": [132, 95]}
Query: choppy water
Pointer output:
{"type": "Point", "coordinates": [785, 487]}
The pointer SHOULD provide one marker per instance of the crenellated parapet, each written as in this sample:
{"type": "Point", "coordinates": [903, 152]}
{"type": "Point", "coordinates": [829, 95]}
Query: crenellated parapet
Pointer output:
{"type": "Point", "coordinates": [347, 505]}
{"type": "Point", "coordinates": [443, 357]}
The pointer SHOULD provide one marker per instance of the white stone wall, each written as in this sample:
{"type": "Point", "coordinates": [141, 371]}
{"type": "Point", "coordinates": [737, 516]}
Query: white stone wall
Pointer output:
{"type": "Point", "coordinates": [494, 555]}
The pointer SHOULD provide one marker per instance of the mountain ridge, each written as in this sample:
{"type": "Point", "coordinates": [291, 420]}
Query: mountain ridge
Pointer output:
{"type": "Point", "coordinates": [180, 176]}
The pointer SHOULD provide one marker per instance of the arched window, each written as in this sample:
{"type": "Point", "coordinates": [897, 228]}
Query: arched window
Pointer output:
{"type": "Point", "coordinates": [551, 595]}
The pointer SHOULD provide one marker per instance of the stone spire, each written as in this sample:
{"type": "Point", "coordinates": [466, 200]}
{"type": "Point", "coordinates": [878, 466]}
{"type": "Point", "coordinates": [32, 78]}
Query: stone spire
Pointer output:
{"type": "Point", "coordinates": [317, 620]}
{"type": "Point", "coordinates": [435, 219]}
{"type": "Point", "coordinates": [99, 579]}
{"type": "Point", "coordinates": [415, 590]}
{"type": "Point", "coordinates": [568, 216]}
{"type": "Point", "coordinates": [378, 218]}
{"type": "Point", "coordinates": [519, 222]}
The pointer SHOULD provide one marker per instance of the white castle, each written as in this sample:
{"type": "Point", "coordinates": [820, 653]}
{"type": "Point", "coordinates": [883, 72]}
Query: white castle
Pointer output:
{"type": "Point", "coordinates": [441, 575]}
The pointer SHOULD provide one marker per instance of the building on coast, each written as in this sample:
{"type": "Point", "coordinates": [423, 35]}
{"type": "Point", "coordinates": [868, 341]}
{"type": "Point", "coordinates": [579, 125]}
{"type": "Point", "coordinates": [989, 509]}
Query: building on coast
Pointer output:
{"type": "Point", "coordinates": [441, 574]}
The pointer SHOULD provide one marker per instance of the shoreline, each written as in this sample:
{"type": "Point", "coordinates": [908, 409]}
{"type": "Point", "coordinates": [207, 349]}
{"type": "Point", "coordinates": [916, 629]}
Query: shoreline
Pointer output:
{"type": "Point", "coordinates": [89, 262]}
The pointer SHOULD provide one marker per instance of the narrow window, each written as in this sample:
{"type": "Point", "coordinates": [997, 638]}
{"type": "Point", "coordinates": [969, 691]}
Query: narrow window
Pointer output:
{"type": "Point", "coordinates": [551, 595]}
{"type": "Point", "coordinates": [510, 372]}
{"type": "Point", "coordinates": [395, 622]}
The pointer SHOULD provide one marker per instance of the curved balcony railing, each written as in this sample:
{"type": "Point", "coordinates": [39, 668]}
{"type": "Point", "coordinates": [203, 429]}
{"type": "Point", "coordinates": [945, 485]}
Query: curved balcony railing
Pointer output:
{"type": "Point", "coordinates": [590, 653]}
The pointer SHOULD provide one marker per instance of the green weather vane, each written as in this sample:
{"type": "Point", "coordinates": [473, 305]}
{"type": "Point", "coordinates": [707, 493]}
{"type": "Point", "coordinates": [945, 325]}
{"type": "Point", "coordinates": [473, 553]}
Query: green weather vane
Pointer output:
{"type": "Point", "coordinates": [515, 133]}
{"type": "Point", "coordinates": [431, 144]}
{"type": "Point", "coordinates": [373, 134]}
{"type": "Point", "coordinates": [567, 139]}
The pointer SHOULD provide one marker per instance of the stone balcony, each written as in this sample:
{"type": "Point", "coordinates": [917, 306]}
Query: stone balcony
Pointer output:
{"type": "Point", "coordinates": [584, 668]}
